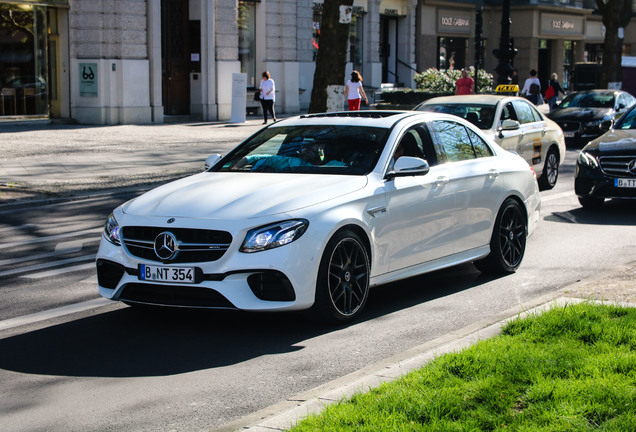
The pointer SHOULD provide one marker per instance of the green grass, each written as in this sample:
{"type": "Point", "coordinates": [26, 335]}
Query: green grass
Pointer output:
{"type": "Point", "coordinates": [572, 368]}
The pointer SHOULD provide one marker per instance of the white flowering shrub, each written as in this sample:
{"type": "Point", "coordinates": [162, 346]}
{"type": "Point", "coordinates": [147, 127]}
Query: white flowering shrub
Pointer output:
{"type": "Point", "coordinates": [435, 81]}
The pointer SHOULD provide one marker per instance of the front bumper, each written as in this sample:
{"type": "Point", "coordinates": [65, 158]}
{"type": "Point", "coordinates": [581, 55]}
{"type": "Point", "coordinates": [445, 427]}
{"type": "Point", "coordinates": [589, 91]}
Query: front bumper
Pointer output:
{"type": "Point", "coordinates": [593, 183]}
{"type": "Point", "coordinates": [278, 279]}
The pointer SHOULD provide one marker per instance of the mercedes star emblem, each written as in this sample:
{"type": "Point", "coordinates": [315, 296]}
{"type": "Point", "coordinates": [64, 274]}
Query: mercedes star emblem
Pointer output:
{"type": "Point", "coordinates": [166, 246]}
{"type": "Point", "coordinates": [631, 167]}
{"type": "Point", "coordinates": [171, 220]}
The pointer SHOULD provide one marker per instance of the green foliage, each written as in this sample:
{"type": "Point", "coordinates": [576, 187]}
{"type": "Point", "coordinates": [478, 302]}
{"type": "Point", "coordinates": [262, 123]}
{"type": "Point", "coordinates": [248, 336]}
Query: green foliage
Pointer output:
{"type": "Point", "coordinates": [572, 368]}
{"type": "Point", "coordinates": [436, 81]}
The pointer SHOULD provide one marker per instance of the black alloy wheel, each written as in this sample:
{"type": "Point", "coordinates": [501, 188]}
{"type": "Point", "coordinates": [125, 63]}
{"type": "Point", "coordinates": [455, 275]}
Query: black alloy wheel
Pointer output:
{"type": "Point", "coordinates": [550, 173]}
{"type": "Point", "coordinates": [343, 278]}
{"type": "Point", "coordinates": [508, 242]}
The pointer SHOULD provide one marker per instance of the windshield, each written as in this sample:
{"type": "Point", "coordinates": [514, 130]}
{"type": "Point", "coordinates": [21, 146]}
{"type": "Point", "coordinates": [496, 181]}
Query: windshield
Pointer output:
{"type": "Point", "coordinates": [480, 115]}
{"type": "Point", "coordinates": [341, 149]}
{"type": "Point", "coordinates": [628, 121]}
{"type": "Point", "coordinates": [588, 100]}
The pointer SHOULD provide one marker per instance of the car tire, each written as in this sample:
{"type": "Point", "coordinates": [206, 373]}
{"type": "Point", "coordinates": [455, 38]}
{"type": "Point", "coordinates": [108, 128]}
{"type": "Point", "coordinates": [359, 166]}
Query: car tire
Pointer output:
{"type": "Point", "coordinates": [591, 202]}
{"type": "Point", "coordinates": [508, 241]}
{"type": "Point", "coordinates": [342, 287]}
{"type": "Point", "coordinates": [550, 173]}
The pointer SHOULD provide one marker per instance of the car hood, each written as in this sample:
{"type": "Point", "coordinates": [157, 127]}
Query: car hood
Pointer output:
{"type": "Point", "coordinates": [614, 141]}
{"type": "Point", "coordinates": [580, 114]}
{"type": "Point", "coordinates": [241, 195]}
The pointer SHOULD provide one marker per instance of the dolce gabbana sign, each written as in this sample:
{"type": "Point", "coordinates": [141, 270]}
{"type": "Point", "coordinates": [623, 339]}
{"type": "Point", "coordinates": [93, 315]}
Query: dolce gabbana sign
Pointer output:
{"type": "Point", "coordinates": [562, 25]}
{"type": "Point", "coordinates": [454, 22]}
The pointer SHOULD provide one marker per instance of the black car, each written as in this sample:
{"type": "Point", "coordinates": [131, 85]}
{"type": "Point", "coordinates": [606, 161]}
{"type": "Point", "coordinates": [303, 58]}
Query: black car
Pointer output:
{"type": "Point", "coordinates": [606, 167]}
{"type": "Point", "coordinates": [588, 114]}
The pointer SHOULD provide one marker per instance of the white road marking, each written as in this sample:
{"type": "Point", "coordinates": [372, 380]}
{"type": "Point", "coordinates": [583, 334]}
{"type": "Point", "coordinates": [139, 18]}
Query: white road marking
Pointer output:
{"type": "Point", "coordinates": [558, 196]}
{"type": "Point", "coordinates": [56, 272]}
{"type": "Point", "coordinates": [51, 237]}
{"type": "Point", "coordinates": [60, 249]}
{"type": "Point", "coordinates": [37, 267]}
{"type": "Point", "coordinates": [53, 313]}
{"type": "Point", "coordinates": [17, 228]}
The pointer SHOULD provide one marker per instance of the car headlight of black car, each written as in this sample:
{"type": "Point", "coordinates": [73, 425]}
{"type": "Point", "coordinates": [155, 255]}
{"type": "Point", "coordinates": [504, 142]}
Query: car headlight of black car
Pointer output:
{"type": "Point", "coordinates": [111, 230]}
{"type": "Point", "coordinates": [588, 159]}
{"type": "Point", "coordinates": [594, 123]}
{"type": "Point", "coordinates": [273, 236]}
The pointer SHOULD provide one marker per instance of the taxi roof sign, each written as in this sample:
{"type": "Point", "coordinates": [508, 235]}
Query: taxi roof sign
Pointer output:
{"type": "Point", "coordinates": [507, 88]}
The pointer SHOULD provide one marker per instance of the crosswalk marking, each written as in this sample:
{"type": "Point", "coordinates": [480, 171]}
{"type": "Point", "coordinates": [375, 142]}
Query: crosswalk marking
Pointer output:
{"type": "Point", "coordinates": [51, 237]}
{"type": "Point", "coordinates": [37, 267]}
{"type": "Point", "coordinates": [56, 272]}
{"type": "Point", "coordinates": [53, 313]}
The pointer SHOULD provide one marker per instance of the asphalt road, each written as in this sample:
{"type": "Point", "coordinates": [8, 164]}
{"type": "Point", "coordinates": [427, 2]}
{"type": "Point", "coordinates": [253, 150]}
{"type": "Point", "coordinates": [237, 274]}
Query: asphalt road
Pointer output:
{"type": "Point", "coordinates": [116, 368]}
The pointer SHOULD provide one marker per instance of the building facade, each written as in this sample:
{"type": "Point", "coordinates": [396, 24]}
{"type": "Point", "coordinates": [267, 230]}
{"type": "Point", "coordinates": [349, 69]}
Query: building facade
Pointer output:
{"type": "Point", "coordinates": [550, 36]}
{"type": "Point", "coordinates": [147, 61]}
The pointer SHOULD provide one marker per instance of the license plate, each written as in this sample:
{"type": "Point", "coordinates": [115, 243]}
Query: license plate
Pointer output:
{"type": "Point", "coordinates": [167, 274]}
{"type": "Point", "coordinates": [625, 183]}
{"type": "Point", "coordinates": [568, 134]}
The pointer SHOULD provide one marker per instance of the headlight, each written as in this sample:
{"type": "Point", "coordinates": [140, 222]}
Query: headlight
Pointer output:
{"type": "Point", "coordinates": [111, 230]}
{"type": "Point", "coordinates": [594, 123]}
{"type": "Point", "coordinates": [273, 236]}
{"type": "Point", "coordinates": [588, 159]}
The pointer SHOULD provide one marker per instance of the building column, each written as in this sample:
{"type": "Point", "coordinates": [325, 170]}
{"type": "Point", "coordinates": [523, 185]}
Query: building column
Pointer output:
{"type": "Point", "coordinates": [154, 57]}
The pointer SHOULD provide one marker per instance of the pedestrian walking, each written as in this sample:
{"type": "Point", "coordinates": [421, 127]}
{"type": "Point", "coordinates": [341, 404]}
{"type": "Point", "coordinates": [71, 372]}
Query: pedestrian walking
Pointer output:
{"type": "Point", "coordinates": [268, 96]}
{"type": "Point", "coordinates": [532, 89]}
{"type": "Point", "coordinates": [354, 91]}
{"type": "Point", "coordinates": [464, 85]}
{"type": "Point", "coordinates": [553, 90]}
{"type": "Point", "coordinates": [514, 78]}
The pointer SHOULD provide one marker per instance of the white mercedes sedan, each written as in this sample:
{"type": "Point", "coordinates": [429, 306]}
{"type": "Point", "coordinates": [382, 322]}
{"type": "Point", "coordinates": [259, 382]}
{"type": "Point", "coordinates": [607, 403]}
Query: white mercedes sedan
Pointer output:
{"type": "Point", "coordinates": [310, 212]}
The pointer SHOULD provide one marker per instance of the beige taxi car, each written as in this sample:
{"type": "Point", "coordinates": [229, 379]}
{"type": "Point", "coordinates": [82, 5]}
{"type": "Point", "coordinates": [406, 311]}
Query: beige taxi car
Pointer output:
{"type": "Point", "coordinates": [515, 124]}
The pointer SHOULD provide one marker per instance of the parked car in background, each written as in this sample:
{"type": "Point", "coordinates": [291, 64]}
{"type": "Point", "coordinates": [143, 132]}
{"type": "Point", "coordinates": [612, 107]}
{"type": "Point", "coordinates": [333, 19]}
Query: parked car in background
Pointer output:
{"type": "Point", "coordinates": [606, 167]}
{"type": "Point", "coordinates": [586, 115]}
{"type": "Point", "coordinates": [513, 123]}
{"type": "Point", "coordinates": [312, 211]}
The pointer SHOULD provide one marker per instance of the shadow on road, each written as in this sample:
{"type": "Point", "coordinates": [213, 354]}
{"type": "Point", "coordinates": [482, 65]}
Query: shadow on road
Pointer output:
{"type": "Point", "coordinates": [612, 212]}
{"type": "Point", "coordinates": [134, 342]}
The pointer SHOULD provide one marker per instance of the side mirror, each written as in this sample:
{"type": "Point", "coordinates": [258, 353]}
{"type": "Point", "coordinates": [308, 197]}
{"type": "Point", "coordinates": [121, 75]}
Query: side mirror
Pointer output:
{"type": "Point", "coordinates": [607, 125]}
{"type": "Point", "coordinates": [211, 161]}
{"type": "Point", "coordinates": [408, 166]}
{"type": "Point", "coordinates": [508, 125]}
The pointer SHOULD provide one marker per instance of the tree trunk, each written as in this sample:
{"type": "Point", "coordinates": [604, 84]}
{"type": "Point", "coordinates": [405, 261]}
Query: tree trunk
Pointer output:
{"type": "Point", "coordinates": [332, 54]}
{"type": "Point", "coordinates": [616, 14]}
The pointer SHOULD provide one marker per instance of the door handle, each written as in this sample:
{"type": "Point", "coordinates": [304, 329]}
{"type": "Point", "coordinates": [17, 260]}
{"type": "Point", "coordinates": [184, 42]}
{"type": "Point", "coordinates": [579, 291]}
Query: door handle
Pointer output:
{"type": "Point", "coordinates": [493, 174]}
{"type": "Point", "coordinates": [544, 131]}
{"type": "Point", "coordinates": [441, 180]}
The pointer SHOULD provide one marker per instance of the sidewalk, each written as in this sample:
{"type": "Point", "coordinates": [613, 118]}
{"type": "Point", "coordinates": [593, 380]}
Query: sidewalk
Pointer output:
{"type": "Point", "coordinates": [44, 161]}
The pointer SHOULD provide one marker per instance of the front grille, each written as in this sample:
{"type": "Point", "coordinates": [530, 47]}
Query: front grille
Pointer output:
{"type": "Point", "coordinates": [569, 126]}
{"type": "Point", "coordinates": [617, 165]}
{"type": "Point", "coordinates": [194, 245]}
{"type": "Point", "coordinates": [168, 295]}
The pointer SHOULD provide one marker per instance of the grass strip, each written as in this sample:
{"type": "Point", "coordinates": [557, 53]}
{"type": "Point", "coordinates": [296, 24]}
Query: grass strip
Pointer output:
{"type": "Point", "coordinates": [571, 368]}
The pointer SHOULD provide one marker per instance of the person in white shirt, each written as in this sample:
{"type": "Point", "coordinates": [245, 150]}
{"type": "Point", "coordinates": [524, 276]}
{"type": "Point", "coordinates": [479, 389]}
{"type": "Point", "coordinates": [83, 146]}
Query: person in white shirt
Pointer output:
{"type": "Point", "coordinates": [354, 91]}
{"type": "Point", "coordinates": [532, 93]}
{"type": "Point", "coordinates": [268, 96]}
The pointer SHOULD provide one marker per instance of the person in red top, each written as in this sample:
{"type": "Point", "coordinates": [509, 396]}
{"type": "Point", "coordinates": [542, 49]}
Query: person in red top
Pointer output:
{"type": "Point", "coordinates": [465, 85]}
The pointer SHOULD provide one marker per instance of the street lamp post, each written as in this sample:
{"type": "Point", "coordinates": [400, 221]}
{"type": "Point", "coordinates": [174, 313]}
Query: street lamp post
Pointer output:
{"type": "Point", "coordinates": [479, 41]}
{"type": "Point", "coordinates": [505, 53]}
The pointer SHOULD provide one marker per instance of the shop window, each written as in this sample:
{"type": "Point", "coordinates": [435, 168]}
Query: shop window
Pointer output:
{"type": "Point", "coordinates": [356, 31]}
{"type": "Point", "coordinates": [23, 62]}
{"type": "Point", "coordinates": [247, 40]}
{"type": "Point", "coordinates": [452, 53]}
